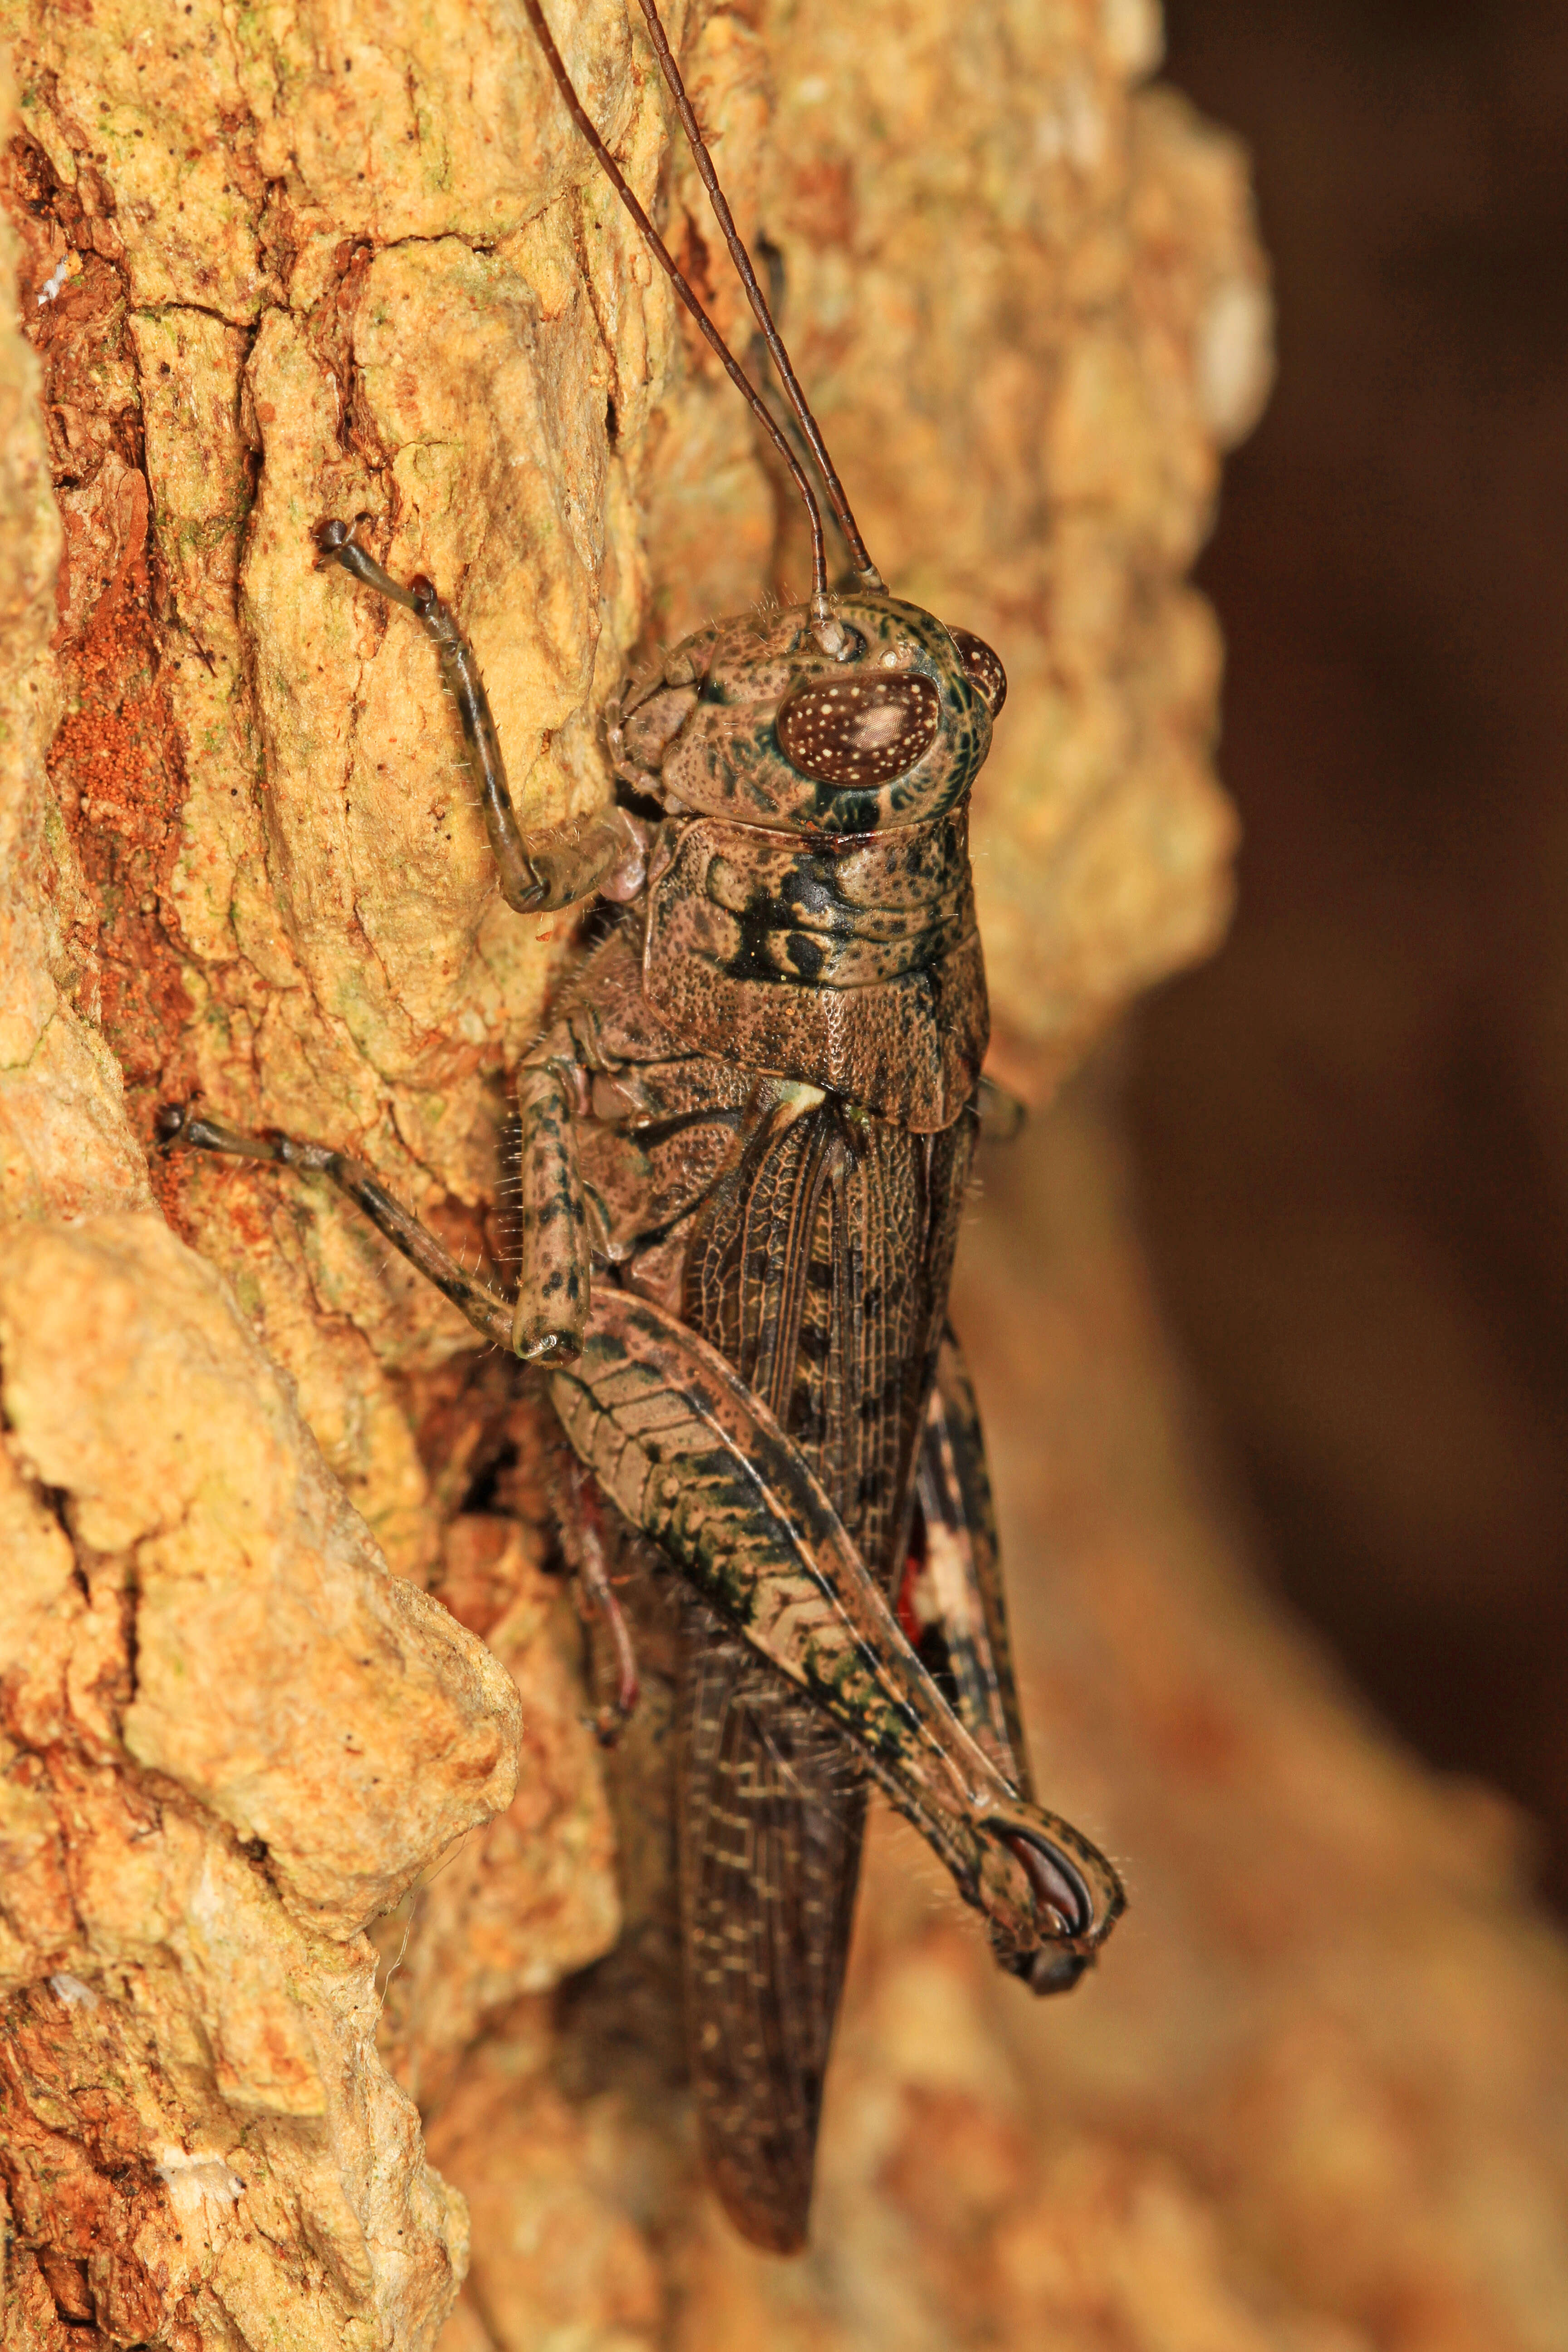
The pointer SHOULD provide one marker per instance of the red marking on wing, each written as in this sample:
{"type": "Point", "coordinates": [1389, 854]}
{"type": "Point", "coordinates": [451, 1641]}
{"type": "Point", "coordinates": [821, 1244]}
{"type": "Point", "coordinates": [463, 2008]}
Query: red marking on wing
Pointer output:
{"type": "Point", "coordinates": [914, 1568]}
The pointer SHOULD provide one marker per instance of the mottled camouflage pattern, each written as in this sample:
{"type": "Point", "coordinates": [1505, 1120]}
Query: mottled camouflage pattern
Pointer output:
{"type": "Point", "coordinates": [552, 1286]}
{"type": "Point", "coordinates": [852, 963]}
{"type": "Point", "coordinates": [745, 1140]}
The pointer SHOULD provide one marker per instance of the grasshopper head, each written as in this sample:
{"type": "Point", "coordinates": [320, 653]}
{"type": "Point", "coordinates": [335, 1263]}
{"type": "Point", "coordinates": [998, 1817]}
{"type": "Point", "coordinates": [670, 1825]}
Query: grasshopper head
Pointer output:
{"type": "Point", "coordinates": [756, 720]}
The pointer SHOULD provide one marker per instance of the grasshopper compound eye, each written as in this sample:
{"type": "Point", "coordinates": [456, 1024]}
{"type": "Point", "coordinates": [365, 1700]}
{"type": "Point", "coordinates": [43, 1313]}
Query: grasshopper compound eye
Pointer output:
{"type": "Point", "coordinates": [983, 668]}
{"type": "Point", "coordinates": [858, 731]}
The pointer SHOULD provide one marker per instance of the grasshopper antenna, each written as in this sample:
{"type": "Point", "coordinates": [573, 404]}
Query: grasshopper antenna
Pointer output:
{"type": "Point", "coordinates": [830, 632]}
{"type": "Point", "coordinates": [755, 295]}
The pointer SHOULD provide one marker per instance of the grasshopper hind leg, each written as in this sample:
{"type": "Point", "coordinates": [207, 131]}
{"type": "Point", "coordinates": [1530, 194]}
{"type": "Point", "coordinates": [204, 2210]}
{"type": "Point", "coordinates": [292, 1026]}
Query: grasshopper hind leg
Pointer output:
{"type": "Point", "coordinates": [953, 1607]}
{"type": "Point", "coordinates": [952, 1603]}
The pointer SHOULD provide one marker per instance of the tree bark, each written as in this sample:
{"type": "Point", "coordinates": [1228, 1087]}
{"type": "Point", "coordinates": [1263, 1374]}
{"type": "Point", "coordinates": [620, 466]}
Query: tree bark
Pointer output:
{"type": "Point", "coordinates": [280, 1623]}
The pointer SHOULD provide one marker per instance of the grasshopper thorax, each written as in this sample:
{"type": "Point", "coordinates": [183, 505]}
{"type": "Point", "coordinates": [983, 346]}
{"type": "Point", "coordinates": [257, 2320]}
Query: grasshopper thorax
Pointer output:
{"type": "Point", "coordinates": [754, 720]}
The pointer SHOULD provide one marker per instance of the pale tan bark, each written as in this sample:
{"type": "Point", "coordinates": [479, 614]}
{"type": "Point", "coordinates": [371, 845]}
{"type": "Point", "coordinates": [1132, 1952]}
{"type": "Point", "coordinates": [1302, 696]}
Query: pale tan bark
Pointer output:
{"type": "Point", "coordinates": [278, 264]}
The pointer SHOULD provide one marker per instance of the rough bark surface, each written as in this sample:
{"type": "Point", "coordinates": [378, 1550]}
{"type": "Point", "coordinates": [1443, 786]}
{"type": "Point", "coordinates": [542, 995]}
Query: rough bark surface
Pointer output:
{"type": "Point", "coordinates": [281, 1625]}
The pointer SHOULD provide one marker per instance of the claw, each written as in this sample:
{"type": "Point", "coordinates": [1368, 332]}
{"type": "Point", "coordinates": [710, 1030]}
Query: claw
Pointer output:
{"type": "Point", "coordinates": [169, 1126]}
{"type": "Point", "coordinates": [330, 537]}
{"type": "Point", "coordinates": [1060, 1891]}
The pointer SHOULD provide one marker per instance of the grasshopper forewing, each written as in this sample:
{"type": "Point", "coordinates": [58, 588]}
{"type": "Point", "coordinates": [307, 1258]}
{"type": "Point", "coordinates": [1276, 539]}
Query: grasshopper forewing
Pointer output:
{"type": "Point", "coordinates": [745, 1139]}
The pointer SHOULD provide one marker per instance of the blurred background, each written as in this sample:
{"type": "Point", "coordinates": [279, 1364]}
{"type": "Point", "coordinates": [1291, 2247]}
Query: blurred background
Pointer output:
{"type": "Point", "coordinates": [1352, 1127]}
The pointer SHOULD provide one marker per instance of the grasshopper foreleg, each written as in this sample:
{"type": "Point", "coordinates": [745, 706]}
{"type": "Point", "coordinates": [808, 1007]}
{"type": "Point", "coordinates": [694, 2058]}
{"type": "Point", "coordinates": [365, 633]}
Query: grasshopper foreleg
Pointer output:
{"type": "Point", "coordinates": [538, 870]}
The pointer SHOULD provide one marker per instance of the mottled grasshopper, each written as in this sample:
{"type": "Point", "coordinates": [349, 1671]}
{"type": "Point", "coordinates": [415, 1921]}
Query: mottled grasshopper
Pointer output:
{"type": "Point", "coordinates": [744, 1144]}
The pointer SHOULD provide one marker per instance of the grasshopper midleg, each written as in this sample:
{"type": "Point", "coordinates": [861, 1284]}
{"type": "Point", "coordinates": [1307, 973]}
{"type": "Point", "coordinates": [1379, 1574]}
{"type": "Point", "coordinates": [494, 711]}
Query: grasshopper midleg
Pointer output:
{"type": "Point", "coordinates": [744, 1141]}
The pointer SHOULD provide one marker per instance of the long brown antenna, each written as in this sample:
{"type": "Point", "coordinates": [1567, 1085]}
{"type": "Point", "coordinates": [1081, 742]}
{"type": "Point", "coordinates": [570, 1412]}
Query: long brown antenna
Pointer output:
{"type": "Point", "coordinates": [755, 295]}
{"type": "Point", "coordinates": [687, 295]}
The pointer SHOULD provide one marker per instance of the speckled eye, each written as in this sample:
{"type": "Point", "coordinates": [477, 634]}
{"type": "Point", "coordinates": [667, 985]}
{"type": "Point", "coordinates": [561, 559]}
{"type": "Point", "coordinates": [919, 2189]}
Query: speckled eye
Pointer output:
{"type": "Point", "coordinates": [858, 731]}
{"type": "Point", "coordinates": [984, 668]}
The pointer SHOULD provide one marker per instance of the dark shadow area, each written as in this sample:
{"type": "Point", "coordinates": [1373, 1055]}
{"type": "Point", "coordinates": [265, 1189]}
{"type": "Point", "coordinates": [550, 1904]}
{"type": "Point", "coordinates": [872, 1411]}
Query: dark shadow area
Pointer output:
{"type": "Point", "coordinates": [1352, 1128]}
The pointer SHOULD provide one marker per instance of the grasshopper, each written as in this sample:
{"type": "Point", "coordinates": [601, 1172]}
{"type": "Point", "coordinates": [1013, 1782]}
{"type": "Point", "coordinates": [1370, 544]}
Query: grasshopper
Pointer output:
{"type": "Point", "coordinates": [744, 1143]}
